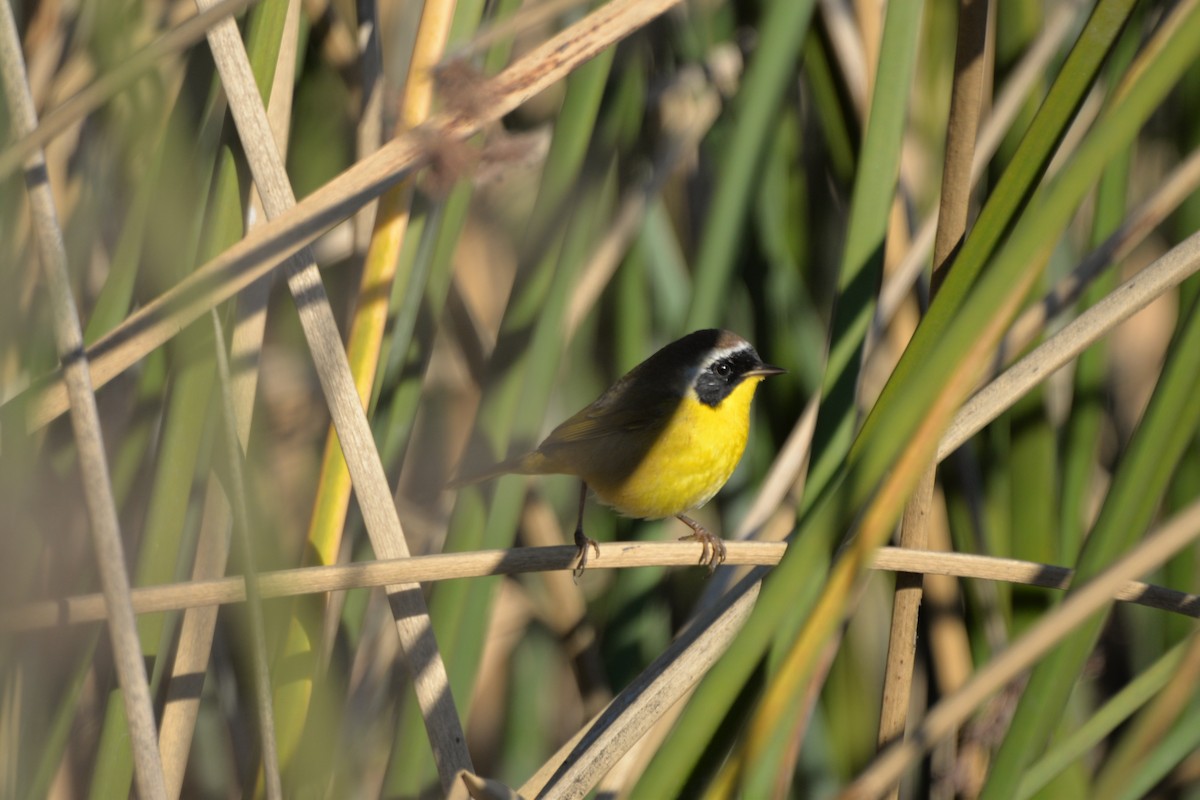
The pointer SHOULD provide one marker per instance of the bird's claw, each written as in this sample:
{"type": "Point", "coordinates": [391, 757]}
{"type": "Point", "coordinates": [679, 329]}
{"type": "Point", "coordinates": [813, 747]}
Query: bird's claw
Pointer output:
{"type": "Point", "coordinates": [582, 543]}
{"type": "Point", "coordinates": [712, 548]}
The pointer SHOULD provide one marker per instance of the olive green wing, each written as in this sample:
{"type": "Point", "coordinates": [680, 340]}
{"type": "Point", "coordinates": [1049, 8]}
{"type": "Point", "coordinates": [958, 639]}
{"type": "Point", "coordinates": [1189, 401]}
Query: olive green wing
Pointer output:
{"type": "Point", "coordinates": [630, 406]}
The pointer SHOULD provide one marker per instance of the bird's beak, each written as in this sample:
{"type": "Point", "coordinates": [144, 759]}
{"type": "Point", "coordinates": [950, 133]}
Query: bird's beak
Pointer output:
{"type": "Point", "coordinates": [765, 371]}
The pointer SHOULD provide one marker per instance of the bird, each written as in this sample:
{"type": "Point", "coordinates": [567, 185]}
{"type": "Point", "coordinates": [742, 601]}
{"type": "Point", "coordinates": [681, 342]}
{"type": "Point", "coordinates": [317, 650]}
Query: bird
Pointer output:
{"type": "Point", "coordinates": [658, 443]}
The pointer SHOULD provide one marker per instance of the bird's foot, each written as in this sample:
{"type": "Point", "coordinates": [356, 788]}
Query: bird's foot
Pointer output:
{"type": "Point", "coordinates": [712, 550]}
{"type": "Point", "coordinates": [582, 543]}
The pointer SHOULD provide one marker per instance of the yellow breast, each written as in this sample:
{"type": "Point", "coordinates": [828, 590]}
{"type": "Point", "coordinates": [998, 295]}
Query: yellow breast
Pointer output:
{"type": "Point", "coordinates": [692, 459]}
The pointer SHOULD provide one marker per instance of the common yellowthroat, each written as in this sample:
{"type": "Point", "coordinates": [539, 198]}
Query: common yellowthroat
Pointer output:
{"type": "Point", "coordinates": [661, 441]}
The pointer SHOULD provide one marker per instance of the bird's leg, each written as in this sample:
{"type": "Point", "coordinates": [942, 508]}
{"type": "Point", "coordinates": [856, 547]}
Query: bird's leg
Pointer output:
{"type": "Point", "coordinates": [582, 542]}
{"type": "Point", "coordinates": [712, 548]}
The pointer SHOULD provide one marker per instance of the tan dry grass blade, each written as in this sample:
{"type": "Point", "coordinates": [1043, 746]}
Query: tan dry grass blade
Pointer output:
{"type": "Point", "coordinates": [616, 555]}
{"type": "Point", "coordinates": [1123, 302]}
{"type": "Point", "coordinates": [424, 662]}
{"type": "Point", "coordinates": [85, 424]}
{"type": "Point", "coordinates": [948, 715]}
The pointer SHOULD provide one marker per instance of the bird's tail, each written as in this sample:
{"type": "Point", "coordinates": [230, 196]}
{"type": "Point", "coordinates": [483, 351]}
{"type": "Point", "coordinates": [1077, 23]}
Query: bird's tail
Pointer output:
{"type": "Point", "coordinates": [533, 463]}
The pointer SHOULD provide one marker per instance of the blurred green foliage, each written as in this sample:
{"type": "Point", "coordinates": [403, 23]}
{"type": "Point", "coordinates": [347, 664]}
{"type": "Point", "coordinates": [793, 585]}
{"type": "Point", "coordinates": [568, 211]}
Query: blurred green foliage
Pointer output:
{"type": "Point", "coordinates": [779, 221]}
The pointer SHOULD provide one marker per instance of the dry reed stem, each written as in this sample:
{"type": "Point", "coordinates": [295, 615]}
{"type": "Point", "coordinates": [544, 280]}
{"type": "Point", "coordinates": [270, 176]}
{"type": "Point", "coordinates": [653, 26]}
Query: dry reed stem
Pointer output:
{"type": "Point", "coordinates": [421, 655]}
{"type": "Point", "coordinates": [370, 317]}
{"type": "Point", "coordinates": [1012, 97]}
{"type": "Point", "coordinates": [949, 640]}
{"type": "Point", "coordinates": [966, 106]}
{"type": "Point", "coordinates": [1123, 302]}
{"type": "Point", "coordinates": [85, 424]}
{"type": "Point", "coordinates": [1181, 531]}
{"type": "Point", "coordinates": [615, 555]}
{"type": "Point", "coordinates": [279, 99]}
{"type": "Point", "coordinates": [199, 624]}
{"type": "Point", "coordinates": [966, 103]}
{"type": "Point", "coordinates": [182, 704]}
{"type": "Point", "coordinates": [906, 603]}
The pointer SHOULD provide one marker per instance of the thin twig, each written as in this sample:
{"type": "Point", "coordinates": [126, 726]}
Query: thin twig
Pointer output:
{"type": "Point", "coordinates": [85, 423]}
{"type": "Point", "coordinates": [615, 555]}
{"type": "Point", "coordinates": [1127, 299]}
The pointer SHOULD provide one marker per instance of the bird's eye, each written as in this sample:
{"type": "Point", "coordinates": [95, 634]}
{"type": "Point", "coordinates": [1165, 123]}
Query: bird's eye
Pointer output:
{"type": "Point", "coordinates": [722, 369]}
